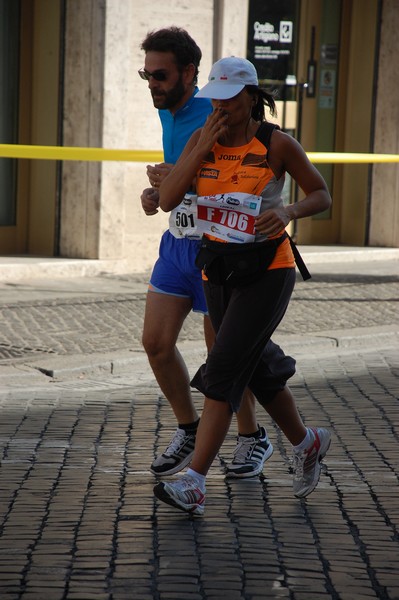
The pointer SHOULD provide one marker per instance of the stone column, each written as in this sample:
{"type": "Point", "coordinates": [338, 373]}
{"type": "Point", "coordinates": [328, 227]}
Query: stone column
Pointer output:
{"type": "Point", "coordinates": [384, 210]}
{"type": "Point", "coordinates": [83, 127]}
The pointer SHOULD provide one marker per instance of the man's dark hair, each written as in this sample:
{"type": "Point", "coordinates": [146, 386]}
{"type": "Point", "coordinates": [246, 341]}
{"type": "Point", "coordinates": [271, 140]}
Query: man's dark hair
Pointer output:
{"type": "Point", "coordinates": [177, 41]}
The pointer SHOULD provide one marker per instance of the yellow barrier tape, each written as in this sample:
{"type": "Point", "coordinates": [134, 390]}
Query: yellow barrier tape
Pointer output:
{"type": "Point", "coordinates": [351, 157]}
{"type": "Point", "coordinates": [151, 156]}
{"type": "Point", "coordinates": [84, 154]}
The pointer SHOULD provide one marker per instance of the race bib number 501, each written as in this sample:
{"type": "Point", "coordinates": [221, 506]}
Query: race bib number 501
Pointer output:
{"type": "Point", "coordinates": [229, 217]}
{"type": "Point", "coordinates": [183, 219]}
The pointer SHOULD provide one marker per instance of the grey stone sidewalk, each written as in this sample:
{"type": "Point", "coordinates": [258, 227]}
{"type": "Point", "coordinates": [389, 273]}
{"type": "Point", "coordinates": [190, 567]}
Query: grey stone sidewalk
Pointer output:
{"type": "Point", "coordinates": [57, 326]}
{"type": "Point", "coordinates": [81, 419]}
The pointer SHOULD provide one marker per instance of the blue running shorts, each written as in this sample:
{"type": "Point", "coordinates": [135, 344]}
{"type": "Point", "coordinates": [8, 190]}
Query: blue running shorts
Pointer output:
{"type": "Point", "coordinates": [175, 272]}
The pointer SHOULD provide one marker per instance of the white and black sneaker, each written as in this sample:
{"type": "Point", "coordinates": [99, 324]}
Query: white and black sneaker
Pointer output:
{"type": "Point", "coordinates": [177, 455]}
{"type": "Point", "coordinates": [250, 455]}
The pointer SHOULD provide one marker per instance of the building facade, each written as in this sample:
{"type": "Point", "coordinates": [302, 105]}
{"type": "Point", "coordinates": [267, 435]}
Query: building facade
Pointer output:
{"type": "Point", "coordinates": [68, 76]}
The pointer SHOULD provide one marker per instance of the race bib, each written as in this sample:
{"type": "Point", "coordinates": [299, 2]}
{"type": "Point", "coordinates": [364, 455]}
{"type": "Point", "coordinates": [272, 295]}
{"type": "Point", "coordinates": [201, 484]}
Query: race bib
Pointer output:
{"type": "Point", "coordinates": [229, 217]}
{"type": "Point", "coordinates": [183, 219]}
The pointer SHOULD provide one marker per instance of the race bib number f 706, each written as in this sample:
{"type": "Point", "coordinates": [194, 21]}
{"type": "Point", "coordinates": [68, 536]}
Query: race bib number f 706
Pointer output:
{"type": "Point", "coordinates": [229, 217]}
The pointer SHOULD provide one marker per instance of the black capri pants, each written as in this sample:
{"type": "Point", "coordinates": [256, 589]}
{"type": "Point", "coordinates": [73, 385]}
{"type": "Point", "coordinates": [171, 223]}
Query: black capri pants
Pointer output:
{"type": "Point", "coordinates": [244, 319]}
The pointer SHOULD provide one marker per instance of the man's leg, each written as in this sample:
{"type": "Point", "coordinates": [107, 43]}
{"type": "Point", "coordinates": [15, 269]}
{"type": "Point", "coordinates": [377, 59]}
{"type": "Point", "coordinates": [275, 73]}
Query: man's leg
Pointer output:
{"type": "Point", "coordinates": [246, 416]}
{"type": "Point", "coordinates": [163, 320]}
{"type": "Point", "coordinates": [164, 317]}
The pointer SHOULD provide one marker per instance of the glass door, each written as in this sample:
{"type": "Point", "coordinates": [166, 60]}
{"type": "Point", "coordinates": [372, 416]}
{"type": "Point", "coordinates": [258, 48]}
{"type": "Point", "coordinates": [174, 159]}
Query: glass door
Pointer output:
{"type": "Point", "coordinates": [29, 108]}
{"type": "Point", "coordinates": [9, 95]}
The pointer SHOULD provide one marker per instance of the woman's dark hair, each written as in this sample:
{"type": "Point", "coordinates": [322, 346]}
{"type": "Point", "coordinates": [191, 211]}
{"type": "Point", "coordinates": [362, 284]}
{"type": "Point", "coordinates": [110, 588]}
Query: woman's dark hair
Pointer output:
{"type": "Point", "coordinates": [263, 99]}
{"type": "Point", "coordinates": [177, 41]}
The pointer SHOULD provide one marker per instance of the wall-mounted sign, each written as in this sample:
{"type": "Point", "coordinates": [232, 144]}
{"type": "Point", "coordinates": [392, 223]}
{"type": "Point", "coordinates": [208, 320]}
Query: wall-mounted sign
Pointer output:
{"type": "Point", "coordinates": [327, 84]}
{"type": "Point", "coordinates": [327, 88]}
{"type": "Point", "coordinates": [272, 39]}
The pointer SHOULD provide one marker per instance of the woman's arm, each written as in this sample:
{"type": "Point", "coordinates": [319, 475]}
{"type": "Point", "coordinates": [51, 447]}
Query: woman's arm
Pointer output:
{"type": "Point", "coordinates": [286, 154]}
{"type": "Point", "coordinates": [179, 180]}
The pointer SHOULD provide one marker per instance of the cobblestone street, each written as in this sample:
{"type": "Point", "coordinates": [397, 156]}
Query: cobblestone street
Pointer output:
{"type": "Point", "coordinates": [78, 519]}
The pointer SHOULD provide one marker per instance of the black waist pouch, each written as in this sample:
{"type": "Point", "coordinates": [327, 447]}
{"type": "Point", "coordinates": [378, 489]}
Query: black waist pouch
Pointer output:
{"type": "Point", "coordinates": [236, 264]}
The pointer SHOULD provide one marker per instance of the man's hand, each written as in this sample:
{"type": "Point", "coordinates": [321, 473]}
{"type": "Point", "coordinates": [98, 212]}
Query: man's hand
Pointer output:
{"type": "Point", "coordinates": [157, 173]}
{"type": "Point", "coordinates": [150, 201]}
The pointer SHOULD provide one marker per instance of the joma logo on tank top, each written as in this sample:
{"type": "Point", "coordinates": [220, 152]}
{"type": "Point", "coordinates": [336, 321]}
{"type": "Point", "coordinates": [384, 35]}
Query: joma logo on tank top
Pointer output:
{"type": "Point", "coordinates": [229, 157]}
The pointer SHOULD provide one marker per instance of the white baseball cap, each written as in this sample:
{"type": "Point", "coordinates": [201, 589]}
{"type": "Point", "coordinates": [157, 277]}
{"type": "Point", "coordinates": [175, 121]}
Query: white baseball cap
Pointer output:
{"type": "Point", "coordinates": [228, 77]}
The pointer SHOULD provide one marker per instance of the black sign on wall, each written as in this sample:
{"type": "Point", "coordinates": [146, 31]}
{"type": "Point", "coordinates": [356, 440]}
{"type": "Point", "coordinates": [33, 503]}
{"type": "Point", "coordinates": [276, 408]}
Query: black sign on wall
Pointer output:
{"type": "Point", "coordinates": [272, 39]}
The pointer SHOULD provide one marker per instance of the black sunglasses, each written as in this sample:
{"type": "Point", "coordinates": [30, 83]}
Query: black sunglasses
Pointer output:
{"type": "Point", "coordinates": [158, 75]}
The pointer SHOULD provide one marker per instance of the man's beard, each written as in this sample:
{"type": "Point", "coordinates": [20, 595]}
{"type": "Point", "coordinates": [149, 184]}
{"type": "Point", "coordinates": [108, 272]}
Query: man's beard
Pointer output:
{"type": "Point", "coordinates": [167, 100]}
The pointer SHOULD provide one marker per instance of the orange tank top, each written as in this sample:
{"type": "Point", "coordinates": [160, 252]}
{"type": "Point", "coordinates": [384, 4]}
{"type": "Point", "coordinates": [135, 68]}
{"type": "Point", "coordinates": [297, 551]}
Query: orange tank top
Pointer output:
{"type": "Point", "coordinates": [245, 169]}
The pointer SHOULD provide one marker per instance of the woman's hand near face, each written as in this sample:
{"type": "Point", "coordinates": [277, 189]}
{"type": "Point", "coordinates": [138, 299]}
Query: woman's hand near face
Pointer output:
{"type": "Point", "coordinates": [182, 176]}
{"type": "Point", "coordinates": [214, 127]}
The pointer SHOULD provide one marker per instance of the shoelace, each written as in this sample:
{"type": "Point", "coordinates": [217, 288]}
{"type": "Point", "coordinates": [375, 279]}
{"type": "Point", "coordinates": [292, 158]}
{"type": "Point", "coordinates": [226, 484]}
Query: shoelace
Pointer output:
{"type": "Point", "coordinates": [176, 443]}
{"type": "Point", "coordinates": [243, 449]}
{"type": "Point", "coordinates": [298, 461]}
{"type": "Point", "coordinates": [185, 482]}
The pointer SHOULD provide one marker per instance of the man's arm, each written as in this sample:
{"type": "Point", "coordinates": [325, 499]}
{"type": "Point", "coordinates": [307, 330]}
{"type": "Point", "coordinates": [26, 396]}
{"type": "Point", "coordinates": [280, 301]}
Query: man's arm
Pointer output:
{"type": "Point", "coordinates": [150, 201]}
{"type": "Point", "coordinates": [157, 173]}
{"type": "Point", "coordinates": [150, 197]}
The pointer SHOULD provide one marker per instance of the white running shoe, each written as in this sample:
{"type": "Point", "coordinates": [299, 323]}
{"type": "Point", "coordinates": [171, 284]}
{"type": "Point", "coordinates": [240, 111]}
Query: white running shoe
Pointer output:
{"type": "Point", "coordinates": [306, 464]}
{"type": "Point", "coordinates": [184, 493]}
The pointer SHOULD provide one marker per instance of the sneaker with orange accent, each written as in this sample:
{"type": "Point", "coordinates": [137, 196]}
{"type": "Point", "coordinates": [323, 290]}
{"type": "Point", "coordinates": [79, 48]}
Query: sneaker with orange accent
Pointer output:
{"type": "Point", "coordinates": [306, 464]}
{"type": "Point", "coordinates": [184, 493]}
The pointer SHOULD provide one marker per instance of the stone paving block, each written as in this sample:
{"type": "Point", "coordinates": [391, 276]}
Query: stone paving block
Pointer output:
{"type": "Point", "coordinates": [185, 595]}
{"type": "Point", "coordinates": [85, 594]}
{"type": "Point", "coordinates": [134, 593]}
{"type": "Point", "coordinates": [349, 592]}
{"type": "Point", "coordinates": [39, 593]}
{"type": "Point", "coordinates": [216, 593]}
{"type": "Point", "coordinates": [311, 595]}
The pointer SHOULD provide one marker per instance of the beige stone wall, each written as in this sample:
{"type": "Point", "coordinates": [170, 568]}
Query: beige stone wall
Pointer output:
{"type": "Point", "coordinates": [80, 206]}
{"type": "Point", "coordinates": [108, 105]}
{"type": "Point", "coordinates": [384, 214]}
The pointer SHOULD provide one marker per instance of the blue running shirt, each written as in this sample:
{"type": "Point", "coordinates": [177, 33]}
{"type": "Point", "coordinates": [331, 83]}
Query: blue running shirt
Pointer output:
{"type": "Point", "coordinates": [178, 128]}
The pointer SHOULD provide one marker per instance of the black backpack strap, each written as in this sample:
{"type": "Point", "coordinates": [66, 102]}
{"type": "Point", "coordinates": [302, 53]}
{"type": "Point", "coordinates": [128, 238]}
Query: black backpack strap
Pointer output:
{"type": "Point", "coordinates": [265, 131]}
{"type": "Point", "coordinates": [264, 134]}
{"type": "Point", "coordinates": [300, 263]}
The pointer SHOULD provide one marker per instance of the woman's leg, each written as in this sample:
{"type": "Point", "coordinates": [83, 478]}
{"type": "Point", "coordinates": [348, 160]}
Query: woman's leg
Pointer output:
{"type": "Point", "coordinates": [245, 318]}
{"type": "Point", "coordinates": [284, 412]}
{"type": "Point", "coordinates": [212, 430]}
{"type": "Point", "coordinates": [246, 416]}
